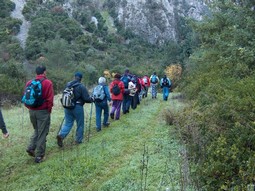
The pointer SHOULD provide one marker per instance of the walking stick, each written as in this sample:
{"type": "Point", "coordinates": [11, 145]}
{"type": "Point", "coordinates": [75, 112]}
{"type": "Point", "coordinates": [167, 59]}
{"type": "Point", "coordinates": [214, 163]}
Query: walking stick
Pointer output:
{"type": "Point", "coordinates": [90, 120]}
{"type": "Point", "coordinates": [61, 125]}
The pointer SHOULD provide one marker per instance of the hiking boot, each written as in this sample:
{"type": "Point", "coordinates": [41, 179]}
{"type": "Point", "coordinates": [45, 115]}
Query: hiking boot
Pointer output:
{"type": "Point", "coordinates": [77, 142]}
{"type": "Point", "coordinates": [6, 135]}
{"type": "Point", "coordinates": [31, 152]}
{"type": "Point", "coordinates": [98, 130]}
{"type": "Point", "coordinates": [106, 124]}
{"type": "Point", "coordinates": [39, 159]}
{"type": "Point", "coordinates": [112, 115]}
{"type": "Point", "coordinates": [60, 141]}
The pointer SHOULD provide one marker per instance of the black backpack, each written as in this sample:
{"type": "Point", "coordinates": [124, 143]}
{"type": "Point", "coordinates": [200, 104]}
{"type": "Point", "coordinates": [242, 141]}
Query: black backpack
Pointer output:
{"type": "Point", "coordinates": [116, 89]}
{"type": "Point", "coordinates": [165, 82]}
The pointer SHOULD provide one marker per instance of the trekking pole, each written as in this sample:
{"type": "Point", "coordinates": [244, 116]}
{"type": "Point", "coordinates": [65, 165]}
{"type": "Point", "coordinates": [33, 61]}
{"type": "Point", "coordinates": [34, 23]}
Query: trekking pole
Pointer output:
{"type": "Point", "coordinates": [61, 125]}
{"type": "Point", "coordinates": [90, 115]}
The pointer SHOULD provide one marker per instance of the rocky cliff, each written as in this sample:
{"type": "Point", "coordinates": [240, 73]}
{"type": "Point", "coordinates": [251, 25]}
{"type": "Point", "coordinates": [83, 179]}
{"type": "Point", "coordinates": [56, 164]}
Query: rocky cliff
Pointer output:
{"type": "Point", "coordinates": [157, 20]}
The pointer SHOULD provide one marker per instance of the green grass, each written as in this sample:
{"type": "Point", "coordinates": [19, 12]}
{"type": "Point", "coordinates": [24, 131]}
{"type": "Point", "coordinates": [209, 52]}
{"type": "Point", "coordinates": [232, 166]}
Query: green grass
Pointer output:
{"type": "Point", "coordinates": [111, 160]}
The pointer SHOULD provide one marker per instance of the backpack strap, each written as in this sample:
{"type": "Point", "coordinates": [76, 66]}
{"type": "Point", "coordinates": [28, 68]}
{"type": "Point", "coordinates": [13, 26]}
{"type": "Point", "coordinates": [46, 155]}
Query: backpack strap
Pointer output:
{"type": "Point", "coordinates": [73, 84]}
{"type": "Point", "coordinates": [41, 79]}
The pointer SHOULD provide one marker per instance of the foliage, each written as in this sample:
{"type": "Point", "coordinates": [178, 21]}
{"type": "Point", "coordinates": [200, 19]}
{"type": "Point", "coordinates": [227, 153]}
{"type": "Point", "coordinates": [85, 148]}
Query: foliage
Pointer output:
{"type": "Point", "coordinates": [6, 7]}
{"type": "Point", "coordinates": [11, 54]}
{"type": "Point", "coordinates": [219, 127]}
{"type": "Point", "coordinates": [174, 72]}
{"type": "Point", "coordinates": [11, 77]}
{"type": "Point", "coordinates": [82, 40]}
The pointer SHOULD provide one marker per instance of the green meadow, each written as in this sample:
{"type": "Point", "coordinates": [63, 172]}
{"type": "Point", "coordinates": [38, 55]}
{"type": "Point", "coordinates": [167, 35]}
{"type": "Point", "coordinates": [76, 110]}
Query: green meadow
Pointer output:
{"type": "Point", "coordinates": [138, 152]}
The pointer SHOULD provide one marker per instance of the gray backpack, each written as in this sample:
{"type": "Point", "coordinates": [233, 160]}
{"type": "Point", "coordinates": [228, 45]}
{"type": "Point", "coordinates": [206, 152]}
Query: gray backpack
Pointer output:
{"type": "Point", "coordinates": [98, 93]}
{"type": "Point", "coordinates": [68, 100]}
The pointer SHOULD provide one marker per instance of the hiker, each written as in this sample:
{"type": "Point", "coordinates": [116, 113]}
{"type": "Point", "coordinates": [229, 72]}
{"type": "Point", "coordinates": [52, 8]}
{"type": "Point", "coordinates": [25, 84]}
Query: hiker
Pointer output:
{"type": "Point", "coordinates": [135, 89]}
{"type": "Point", "coordinates": [2, 126]}
{"type": "Point", "coordinates": [133, 92]}
{"type": "Point", "coordinates": [81, 96]}
{"type": "Point", "coordinates": [142, 89]}
{"type": "Point", "coordinates": [102, 103]}
{"type": "Point", "coordinates": [165, 84]}
{"type": "Point", "coordinates": [154, 82]}
{"type": "Point", "coordinates": [126, 78]}
{"type": "Point", "coordinates": [145, 84]}
{"type": "Point", "coordinates": [40, 116]}
{"type": "Point", "coordinates": [117, 98]}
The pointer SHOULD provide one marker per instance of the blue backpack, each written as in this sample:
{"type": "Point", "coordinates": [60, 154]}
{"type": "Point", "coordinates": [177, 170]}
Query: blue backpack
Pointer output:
{"type": "Point", "coordinates": [154, 79]}
{"type": "Point", "coordinates": [32, 96]}
{"type": "Point", "coordinates": [125, 79]}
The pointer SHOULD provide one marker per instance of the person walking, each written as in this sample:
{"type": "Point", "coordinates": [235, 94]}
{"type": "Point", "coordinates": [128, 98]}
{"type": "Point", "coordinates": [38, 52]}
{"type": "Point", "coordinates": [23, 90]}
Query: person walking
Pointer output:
{"type": "Point", "coordinates": [165, 84]}
{"type": "Point", "coordinates": [102, 104]}
{"type": "Point", "coordinates": [81, 96]}
{"type": "Point", "coordinates": [126, 78]}
{"type": "Point", "coordinates": [117, 96]}
{"type": "Point", "coordinates": [40, 116]}
{"type": "Point", "coordinates": [154, 82]}
{"type": "Point", "coordinates": [133, 93]}
{"type": "Point", "coordinates": [2, 126]}
{"type": "Point", "coordinates": [134, 86]}
{"type": "Point", "coordinates": [146, 84]}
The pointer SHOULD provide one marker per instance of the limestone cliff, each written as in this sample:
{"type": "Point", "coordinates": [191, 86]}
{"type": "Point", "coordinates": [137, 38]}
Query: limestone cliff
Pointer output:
{"type": "Point", "coordinates": [156, 20]}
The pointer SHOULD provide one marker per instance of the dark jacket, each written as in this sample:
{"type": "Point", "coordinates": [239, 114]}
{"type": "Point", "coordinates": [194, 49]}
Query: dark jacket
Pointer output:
{"type": "Point", "coordinates": [80, 92]}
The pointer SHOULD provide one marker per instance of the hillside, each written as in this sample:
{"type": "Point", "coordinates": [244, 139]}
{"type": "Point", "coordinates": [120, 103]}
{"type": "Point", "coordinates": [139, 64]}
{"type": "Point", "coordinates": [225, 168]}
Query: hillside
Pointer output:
{"type": "Point", "coordinates": [215, 58]}
{"type": "Point", "coordinates": [138, 152]}
{"type": "Point", "coordinates": [90, 40]}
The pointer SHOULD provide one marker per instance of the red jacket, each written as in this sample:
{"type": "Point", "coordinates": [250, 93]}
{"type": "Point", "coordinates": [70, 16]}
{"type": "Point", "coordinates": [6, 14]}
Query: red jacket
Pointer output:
{"type": "Point", "coordinates": [147, 80]}
{"type": "Point", "coordinates": [122, 89]}
{"type": "Point", "coordinates": [47, 93]}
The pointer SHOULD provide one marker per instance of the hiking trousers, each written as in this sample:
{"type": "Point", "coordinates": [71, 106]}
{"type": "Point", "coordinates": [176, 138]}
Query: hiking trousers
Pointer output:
{"type": "Point", "coordinates": [116, 106]}
{"type": "Point", "coordinates": [154, 90]}
{"type": "Point", "coordinates": [70, 116]}
{"type": "Point", "coordinates": [165, 93]}
{"type": "Point", "coordinates": [126, 103]}
{"type": "Point", "coordinates": [100, 107]}
{"type": "Point", "coordinates": [40, 120]}
{"type": "Point", "coordinates": [2, 124]}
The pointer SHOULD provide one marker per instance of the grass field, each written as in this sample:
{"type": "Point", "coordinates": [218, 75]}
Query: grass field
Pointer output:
{"type": "Point", "coordinates": [138, 152]}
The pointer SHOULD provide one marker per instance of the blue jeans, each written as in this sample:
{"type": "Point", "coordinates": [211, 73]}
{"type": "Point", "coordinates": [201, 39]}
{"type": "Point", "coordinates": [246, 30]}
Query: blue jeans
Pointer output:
{"type": "Point", "coordinates": [126, 103]}
{"type": "Point", "coordinates": [165, 93]}
{"type": "Point", "coordinates": [100, 106]}
{"type": "Point", "coordinates": [70, 115]}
